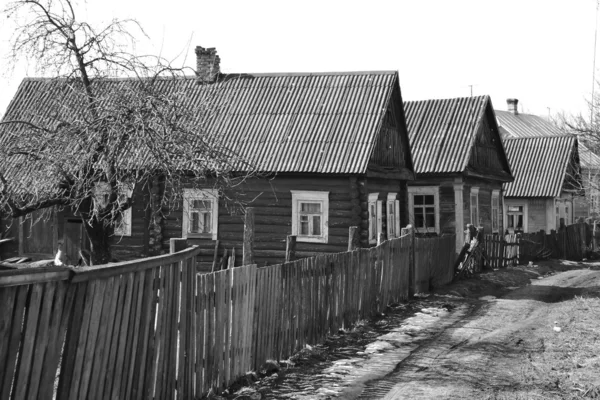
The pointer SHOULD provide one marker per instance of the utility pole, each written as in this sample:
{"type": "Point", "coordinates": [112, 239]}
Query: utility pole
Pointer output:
{"type": "Point", "coordinates": [594, 66]}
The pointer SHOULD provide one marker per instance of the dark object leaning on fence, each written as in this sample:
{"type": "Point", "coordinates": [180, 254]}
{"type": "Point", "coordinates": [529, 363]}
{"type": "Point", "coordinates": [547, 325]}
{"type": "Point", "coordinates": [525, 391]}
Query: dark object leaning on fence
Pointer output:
{"type": "Point", "coordinates": [472, 255]}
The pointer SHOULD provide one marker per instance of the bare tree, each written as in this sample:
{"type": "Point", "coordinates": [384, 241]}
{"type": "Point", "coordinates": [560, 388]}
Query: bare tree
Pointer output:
{"type": "Point", "coordinates": [109, 121]}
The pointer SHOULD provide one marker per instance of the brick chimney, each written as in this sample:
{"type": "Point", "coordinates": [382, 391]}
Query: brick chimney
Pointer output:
{"type": "Point", "coordinates": [512, 105]}
{"type": "Point", "coordinates": [207, 64]}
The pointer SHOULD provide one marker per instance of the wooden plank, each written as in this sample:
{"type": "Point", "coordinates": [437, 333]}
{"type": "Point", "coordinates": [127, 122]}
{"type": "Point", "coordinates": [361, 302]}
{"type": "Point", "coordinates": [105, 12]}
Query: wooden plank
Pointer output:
{"type": "Point", "coordinates": [211, 331]}
{"type": "Point", "coordinates": [249, 315]}
{"type": "Point", "coordinates": [121, 337]}
{"type": "Point", "coordinates": [199, 333]}
{"type": "Point", "coordinates": [103, 340]}
{"type": "Point", "coordinates": [227, 314]}
{"type": "Point", "coordinates": [156, 350]}
{"type": "Point", "coordinates": [147, 324]}
{"type": "Point", "coordinates": [135, 324]}
{"type": "Point", "coordinates": [105, 271]}
{"type": "Point", "coordinates": [181, 334]}
{"type": "Point", "coordinates": [28, 276]}
{"type": "Point", "coordinates": [8, 303]}
{"type": "Point", "coordinates": [14, 342]}
{"type": "Point", "coordinates": [28, 341]}
{"type": "Point", "coordinates": [92, 335]}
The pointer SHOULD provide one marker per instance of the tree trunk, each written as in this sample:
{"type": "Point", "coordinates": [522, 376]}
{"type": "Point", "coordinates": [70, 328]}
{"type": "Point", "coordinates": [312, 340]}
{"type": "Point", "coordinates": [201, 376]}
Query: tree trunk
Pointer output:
{"type": "Point", "coordinates": [98, 234]}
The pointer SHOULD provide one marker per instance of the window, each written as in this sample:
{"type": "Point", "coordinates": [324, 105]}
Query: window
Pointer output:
{"type": "Point", "coordinates": [423, 206]}
{"type": "Point", "coordinates": [310, 216]}
{"type": "Point", "coordinates": [200, 213]}
{"type": "Point", "coordinates": [122, 222]}
{"type": "Point", "coordinates": [515, 218]}
{"type": "Point", "coordinates": [375, 221]}
{"type": "Point", "coordinates": [393, 216]}
{"type": "Point", "coordinates": [475, 206]}
{"type": "Point", "coordinates": [495, 211]}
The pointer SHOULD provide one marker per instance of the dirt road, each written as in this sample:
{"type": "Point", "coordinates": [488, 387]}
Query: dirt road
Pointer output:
{"type": "Point", "coordinates": [511, 334]}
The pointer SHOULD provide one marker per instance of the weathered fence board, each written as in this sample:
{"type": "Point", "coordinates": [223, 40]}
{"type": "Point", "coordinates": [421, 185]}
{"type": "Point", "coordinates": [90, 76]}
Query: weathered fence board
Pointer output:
{"type": "Point", "coordinates": [155, 329]}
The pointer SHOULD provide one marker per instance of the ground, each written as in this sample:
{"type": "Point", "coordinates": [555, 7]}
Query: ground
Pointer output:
{"type": "Point", "coordinates": [529, 332]}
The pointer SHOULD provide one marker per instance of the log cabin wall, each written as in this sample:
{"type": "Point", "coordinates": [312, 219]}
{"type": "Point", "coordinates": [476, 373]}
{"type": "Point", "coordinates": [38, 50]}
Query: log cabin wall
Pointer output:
{"type": "Point", "coordinates": [382, 187]}
{"type": "Point", "coordinates": [485, 203]}
{"type": "Point", "coordinates": [272, 202]}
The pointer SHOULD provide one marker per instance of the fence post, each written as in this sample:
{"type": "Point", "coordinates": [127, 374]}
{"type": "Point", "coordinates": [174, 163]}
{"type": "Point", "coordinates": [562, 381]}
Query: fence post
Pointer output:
{"type": "Point", "coordinates": [248, 246]}
{"type": "Point", "coordinates": [177, 244]}
{"type": "Point", "coordinates": [353, 238]}
{"type": "Point", "coordinates": [409, 230]}
{"type": "Point", "coordinates": [290, 248]}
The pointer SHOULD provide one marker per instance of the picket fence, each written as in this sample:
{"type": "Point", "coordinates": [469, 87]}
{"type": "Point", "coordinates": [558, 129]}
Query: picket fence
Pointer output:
{"type": "Point", "coordinates": [156, 329]}
{"type": "Point", "coordinates": [570, 242]}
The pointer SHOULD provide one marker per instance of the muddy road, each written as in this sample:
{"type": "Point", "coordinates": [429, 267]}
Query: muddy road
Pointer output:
{"type": "Point", "coordinates": [492, 337]}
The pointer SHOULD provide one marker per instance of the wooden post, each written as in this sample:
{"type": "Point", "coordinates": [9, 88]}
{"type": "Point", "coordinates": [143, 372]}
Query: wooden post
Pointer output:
{"type": "Point", "coordinates": [290, 248]}
{"type": "Point", "coordinates": [353, 238]}
{"type": "Point", "coordinates": [248, 249]}
{"type": "Point", "coordinates": [411, 259]}
{"type": "Point", "coordinates": [215, 256]}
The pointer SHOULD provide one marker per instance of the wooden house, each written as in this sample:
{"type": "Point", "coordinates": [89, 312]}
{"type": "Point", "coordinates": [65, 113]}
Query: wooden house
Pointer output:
{"type": "Point", "coordinates": [331, 149]}
{"type": "Point", "coordinates": [460, 166]}
{"type": "Point", "coordinates": [546, 165]}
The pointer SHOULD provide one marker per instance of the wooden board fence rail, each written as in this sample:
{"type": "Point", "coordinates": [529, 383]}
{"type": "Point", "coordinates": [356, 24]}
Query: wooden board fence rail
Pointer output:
{"type": "Point", "coordinates": [156, 329]}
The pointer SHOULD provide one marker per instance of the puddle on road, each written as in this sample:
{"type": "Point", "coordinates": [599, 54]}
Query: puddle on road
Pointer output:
{"type": "Point", "coordinates": [345, 363]}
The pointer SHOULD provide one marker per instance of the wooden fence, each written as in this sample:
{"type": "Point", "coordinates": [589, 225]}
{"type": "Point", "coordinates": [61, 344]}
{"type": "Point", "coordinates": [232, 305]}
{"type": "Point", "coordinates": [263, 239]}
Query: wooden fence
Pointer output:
{"type": "Point", "coordinates": [571, 243]}
{"type": "Point", "coordinates": [155, 329]}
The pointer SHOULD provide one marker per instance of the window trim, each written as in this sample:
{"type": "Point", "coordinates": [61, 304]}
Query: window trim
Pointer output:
{"type": "Point", "coordinates": [474, 192]}
{"type": "Point", "coordinates": [125, 229]}
{"type": "Point", "coordinates": [496, 195]}
{"type": "Point", "coordinates": [424, 190]}
{"type": "Point", "coordinates": [516, 203]}
{"type": "Point", "coordinates": [392, 201]}
{"type": "Point", "coordinates": [299, 196]}
{"type": "Point", "coordinates": [373, 199]}
{"type": "Point", "coordinates": [211, 195]}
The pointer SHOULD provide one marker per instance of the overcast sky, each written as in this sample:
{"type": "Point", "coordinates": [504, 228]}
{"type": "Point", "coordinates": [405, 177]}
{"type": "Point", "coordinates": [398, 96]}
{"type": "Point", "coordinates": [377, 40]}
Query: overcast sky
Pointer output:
{"type": "Point", "coordinates": [539, 51]}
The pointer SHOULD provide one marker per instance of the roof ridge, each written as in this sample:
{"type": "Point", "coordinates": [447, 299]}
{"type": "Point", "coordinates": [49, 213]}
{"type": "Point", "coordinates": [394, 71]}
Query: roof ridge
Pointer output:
{"type": "Point", "coordinates": [480, 97]}
{"type": "Point", "coordinates": [556, 135]}
{"type": "Point", "coordinates": [231, 74]}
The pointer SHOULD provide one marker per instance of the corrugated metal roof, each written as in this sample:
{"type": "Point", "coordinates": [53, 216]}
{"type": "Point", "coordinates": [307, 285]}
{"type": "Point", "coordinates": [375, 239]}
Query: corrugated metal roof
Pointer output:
{"type": "Point", "coordinates": [539, 165]}
{"type": "Point", "coordinates": [298, 122]}
{"type": "Point", "coordinates": [442, 132]}
{"type": "Point", "coordinates": [324, 123]}
{"type": "Point", "coordinates": [526, 125]}
{"type": "Point", "coordinates": [587, 158]}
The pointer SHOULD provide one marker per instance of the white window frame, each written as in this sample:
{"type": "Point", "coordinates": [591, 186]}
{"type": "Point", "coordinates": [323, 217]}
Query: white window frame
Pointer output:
{"type": "Point", "coordinates": [516, 203]}
{"type": "Point", "coordinates": [300, 196]}
{"type": "Point", "coordinates": [496, 196]}
{"type": "Point", "coordinates": [393, 209]}
{"type": "Point", "coordinates": [424, 190]}
{"type": "Point", "coordinates": [474, 194]}
{"type": "Point", "coordinates": [375, 221]}
{"type": "Point", "coordinates": [124, 228]}
{"type": "Point", "coordinates": [211, 195]}
{"type": "Point", "coordinates": [102, 189]}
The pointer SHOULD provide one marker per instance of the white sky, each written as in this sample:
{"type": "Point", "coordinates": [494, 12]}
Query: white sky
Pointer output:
{"type": "Point", "coordinates": [539, 51]}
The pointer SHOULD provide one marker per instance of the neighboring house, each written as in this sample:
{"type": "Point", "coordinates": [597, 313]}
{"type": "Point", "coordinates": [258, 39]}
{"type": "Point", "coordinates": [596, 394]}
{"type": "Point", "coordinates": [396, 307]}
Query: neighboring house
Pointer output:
{"type": "Point", "coordinates": [460, 165]}
{"type": "Point", "coordinates": [547, 177]}
{"type": "Point", "coordinates": [332, 150]}
{"type": "Point", "coordinates": [588, 205]}
{"type": "Point", "coordinates": [548, 184]}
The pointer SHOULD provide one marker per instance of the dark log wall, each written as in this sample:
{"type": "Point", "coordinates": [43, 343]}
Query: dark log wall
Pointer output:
{"type": "Point", "coordinates": [448, 204]}
{"type": "Point", "coordinates": [135, 246]}
{"type": "Point", "coordinates": [485, 203]}
{"type": "Point", "coordinates": [485, 154]}
{"type": "Point", "coordinates": [9, 229]}
{"type": "Point", "coordinates": [272, 202]}
{"type": "Point", "coordinates": [390, 151]}
{"type": "Point", "coordinates": [383, 187]}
